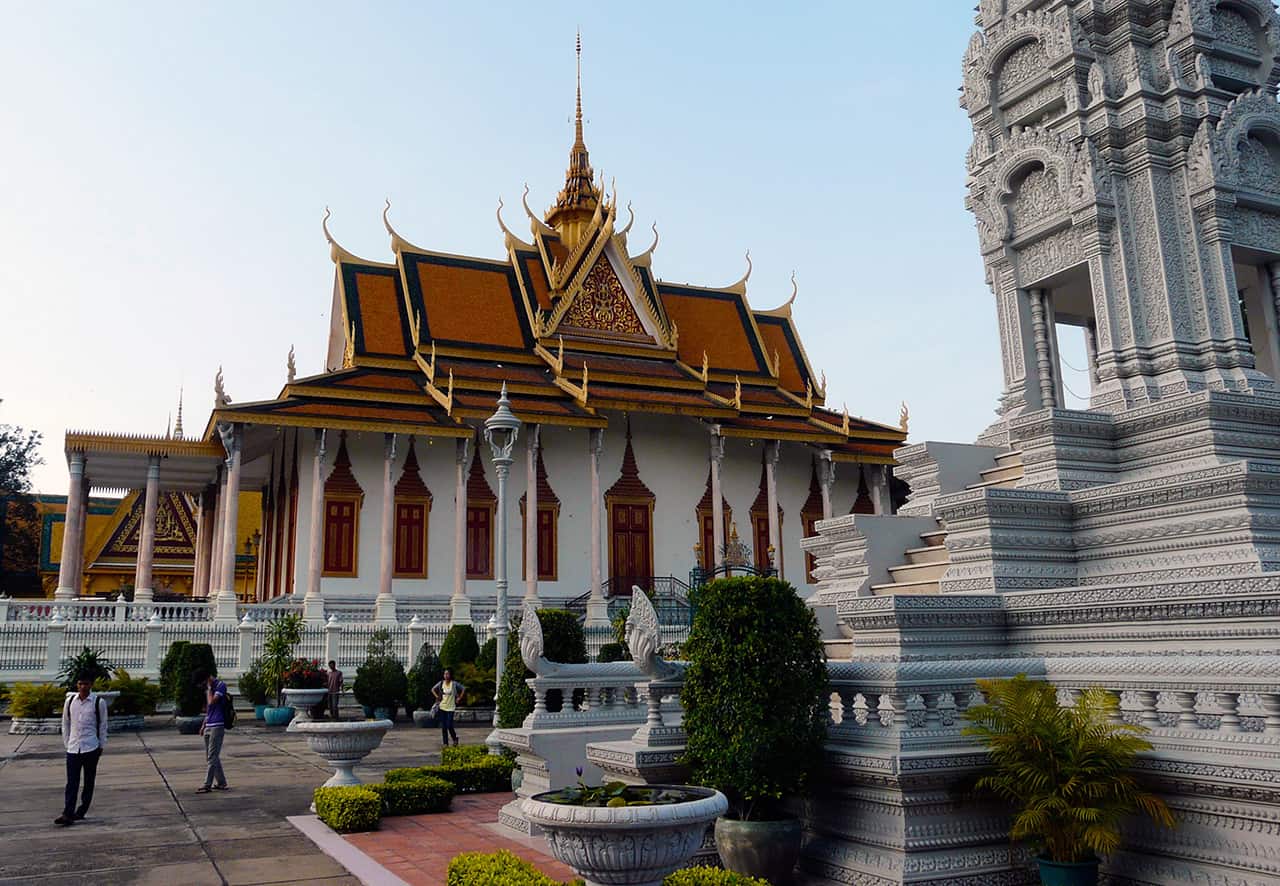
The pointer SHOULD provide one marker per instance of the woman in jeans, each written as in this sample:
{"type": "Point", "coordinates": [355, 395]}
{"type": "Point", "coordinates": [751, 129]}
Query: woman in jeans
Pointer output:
{"type": "Point", "coordinates": [449, 693]}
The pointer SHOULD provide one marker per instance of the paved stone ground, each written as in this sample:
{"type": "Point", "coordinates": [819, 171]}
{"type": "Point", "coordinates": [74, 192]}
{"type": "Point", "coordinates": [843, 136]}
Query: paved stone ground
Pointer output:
{"type": "Point", "coordinates": [147, 824]}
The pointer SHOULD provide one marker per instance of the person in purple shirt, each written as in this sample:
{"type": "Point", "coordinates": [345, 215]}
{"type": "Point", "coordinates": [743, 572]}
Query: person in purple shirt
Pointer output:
{"type": "Point", "coordinates": [213, 730]}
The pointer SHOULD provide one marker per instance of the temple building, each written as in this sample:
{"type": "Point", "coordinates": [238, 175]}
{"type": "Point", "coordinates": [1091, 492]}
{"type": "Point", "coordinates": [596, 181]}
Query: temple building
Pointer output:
{"type": "Point", "coordinates": [664, 426]}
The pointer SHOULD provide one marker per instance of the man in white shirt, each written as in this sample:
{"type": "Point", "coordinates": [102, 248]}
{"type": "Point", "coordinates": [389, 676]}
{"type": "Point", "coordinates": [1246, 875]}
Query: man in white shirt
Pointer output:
{"type": "Point", "coordinates": [84, 731]}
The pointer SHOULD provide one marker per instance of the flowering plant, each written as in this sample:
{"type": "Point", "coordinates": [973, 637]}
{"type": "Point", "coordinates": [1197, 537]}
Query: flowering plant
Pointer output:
{"type": "Point", "coordinates": [303, 673]}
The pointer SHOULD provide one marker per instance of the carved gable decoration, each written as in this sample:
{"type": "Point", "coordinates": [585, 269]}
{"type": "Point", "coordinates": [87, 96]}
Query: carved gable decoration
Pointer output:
{"type": "Point", "coordinates": [342, 482]}
{"type": "Point", "coordinates": [602, 305]}
{"type": "Point", "coordinates": [410, 486]}
{"type": "Point", "coordinates": [629, 485]}
{"type": "Point", "coordinates": [175, 529]}
{"type": "Point", "coordinates": [478, 490]}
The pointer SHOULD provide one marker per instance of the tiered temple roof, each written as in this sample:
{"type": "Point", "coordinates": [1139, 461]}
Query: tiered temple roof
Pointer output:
{"type": "Point", "coordinates": [575, 323]}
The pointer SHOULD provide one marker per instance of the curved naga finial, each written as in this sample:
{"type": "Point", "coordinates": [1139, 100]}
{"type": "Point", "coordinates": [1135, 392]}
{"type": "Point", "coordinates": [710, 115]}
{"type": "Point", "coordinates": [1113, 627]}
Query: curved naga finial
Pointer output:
{"type": "Point", "coordinates": [795, 288]}
{"type": "Point", "coordinates": [648, 253]}
{"type": "Point", "coordinates": [531, 644]}
{"type": "Point", "coordinates": [631, 219]}
{"type": "Point", "coordinates": [336, 252]}
{"type": "Point", "coordinates": [506, 230]}
{"type": "Point", "coordinates": [386, 222]}
{"type": "Point", "coordinates": [538, 224]}
{"type": "Point", "coordinates": [643, 637]}
{"type": "Point", "coordinates": [741, 285]}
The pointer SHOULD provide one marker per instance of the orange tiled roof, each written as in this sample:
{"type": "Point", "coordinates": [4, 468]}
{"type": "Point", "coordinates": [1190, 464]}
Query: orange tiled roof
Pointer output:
{"type": "Point", "coordinates": [467, 301]}
{"type": "Point", "coordinates": [718, 323]}
{"type": "Point", "coordinates": [374, 303]}
{"type": "Point", "coordinates": [780, 338]}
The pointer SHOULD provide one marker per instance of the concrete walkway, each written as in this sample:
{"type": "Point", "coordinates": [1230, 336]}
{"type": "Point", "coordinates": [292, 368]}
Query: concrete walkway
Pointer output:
{"type": "Point", "coordinates": [147, 824]}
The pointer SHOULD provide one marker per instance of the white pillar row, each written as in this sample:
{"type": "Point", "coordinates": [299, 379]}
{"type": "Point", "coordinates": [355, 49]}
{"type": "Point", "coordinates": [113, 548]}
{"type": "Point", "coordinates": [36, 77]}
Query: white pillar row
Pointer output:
{"type": "Point", "coordinates": [385, 606]}
{"type": "Point", "coordinates": [459, 604]}
{"type": "Point", "coordinates": [72, 526]}
{"type": "Point", "coordinates": [826, 479]}
{"type": "Point", "coordinates": [717, 497]}
{"type": "Point", "coordinates": [532, 442]}
{"type": "Point", "coordinates": [200, 569]}
{"type": "Point", "coordinates": [231, 439]}
{"type": "Point", "coordinates": [772, 452]}
{"type": "Point", "coordinates": [143, 583]}
{"type": "Point", "coordinates": [312, 602]}
{"type": "Point", "coordinates": [214, 580]}
{"type": "Point", "coordinates": [597, 608]}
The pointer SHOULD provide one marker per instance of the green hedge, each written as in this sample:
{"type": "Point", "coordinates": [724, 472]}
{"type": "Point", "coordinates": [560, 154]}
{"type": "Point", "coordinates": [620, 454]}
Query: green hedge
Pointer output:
{"type": "Point", "coordinates": [709, 876]}
{"type": "Point", "coordinates": [349, 809]}
{"type": "Point", "coordinates": [501, 868]}
{"type": "Point", "coordinates": [483, 776]}
{"type": "Point", "coordinates": [612, 652]}
{"type": "Point", "coordinates": [416, 796]}
{"type": "Point", "coordinates": [463, 753]}
{"type": "Point", "coordinates": [460, 645]}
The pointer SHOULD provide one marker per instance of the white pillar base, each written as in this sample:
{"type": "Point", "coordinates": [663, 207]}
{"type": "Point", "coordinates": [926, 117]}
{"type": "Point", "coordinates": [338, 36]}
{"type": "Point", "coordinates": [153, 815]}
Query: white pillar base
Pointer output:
{"type": "Point", "coordinates": [532, 598]}
{"type": "Point", "coordinates": [384, 610]}
{"type": "Point", "coordinates": [143, 595]}
{"type": "Point", "coordinates": [313, 609]}
{"type": "Point", "coordinates": [597, 614]}
{"type": "Point", "coordinates": [64, 594]}
{"type": "Point", "coordinates": [224, 608]}
{"type": "Point", "coordinates": [459, 611]}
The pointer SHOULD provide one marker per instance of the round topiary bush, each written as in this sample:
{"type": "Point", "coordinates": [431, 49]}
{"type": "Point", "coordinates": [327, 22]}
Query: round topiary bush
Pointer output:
{"type": "Point", "coordinates": [515, 698]}
{"type": "Point", "coordinates": [380, 682]}
{"type": "Point", "coordinates": [753, 694]}
{"type": "Point", "coordinates": [424, 674]}
{"type": "Point", "coordinates": [193, 659]}
{"type": "Point", "coordinates": [460, 645]}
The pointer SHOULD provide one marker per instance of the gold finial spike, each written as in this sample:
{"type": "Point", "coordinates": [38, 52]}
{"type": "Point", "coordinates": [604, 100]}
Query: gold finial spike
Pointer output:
{"type": "Point", "coordinates": [705, 364]}
{"type": "Point", "coordinates": [737, 393]}
{"type": "Point", "coordinates": [795, 288]}
{"type": "Point", "coordinates": [177, 426]}
{"type": "Point", "coordinates": [560, 355]}
{"type": "Point", "coordinates": [808, 394]}
{"type": "Point", "coordinates": [577, 119]}
{"type": "Point", "coordinates": [904, 417]}
{"type": "Point", "coordinates": [845, 424]}
{"type": "Point", "coordinates": [291, 367]}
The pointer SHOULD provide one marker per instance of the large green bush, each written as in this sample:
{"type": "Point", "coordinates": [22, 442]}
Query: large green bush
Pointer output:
{"type": "Point", "coordinates": [36, 700]}
{"type": "Point", "coordinates": [481, 775]}
{"type": "Point", "coordinates": [460, 645]}
{"type": "Point", "coordinates": [753, 695]}
{"type": "Point", "coordinates": [488, 657]}
{"type": "Point", "coordinates": [424, 674]}
{"type": "Point", "coordinates": [515, 698]}
{"type": "Point", "coordinates": [612, 652]}
{"type": "Point", "coordinates": [348, 809]}
{"type": "Point", "coordinates": [479, 682]}
{"type": "Point", "coordinates": [501, 868]}
{"type": "Point", "coordinates": [253, 683]}
{"type": "Point", "coordinates": [416, 796]}
{"type": "Point", "coordinates": [562, 636]}
{"type": "Point", "coordinates": [380, 682]}
{"type": "Point", "coordinates": [138, 695]}
{"type": "Point", "coordinates": [169, 667]}
{"type": "Point", "coordinates": [193, 658]}
{"type": "Point", "coordinates": [283, 636]}
{"type": "Point", "coordinates": [563, 641]}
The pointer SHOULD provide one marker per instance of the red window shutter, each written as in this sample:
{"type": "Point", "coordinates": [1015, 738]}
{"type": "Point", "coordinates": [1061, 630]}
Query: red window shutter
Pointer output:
{"type": "Point", "coordinates": [478, 543]}
{"type": "Point", "coordinates": [410, 538]}
{"type": "Point", "coordinates": [761, 528]}
{"type": "Point", "coordinates": [546, 544]}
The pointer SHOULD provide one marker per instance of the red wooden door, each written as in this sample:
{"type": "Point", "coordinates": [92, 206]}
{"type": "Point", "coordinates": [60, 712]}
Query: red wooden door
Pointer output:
{"type": "Point", "coordinates": [339, 536]}
{"type": "Point", "coordinates": [546, 544]}
{"type": "Point", "coordinates": [479, 534]}
{"type": "Point", "coordinates": [631, 554]}
{"type": "Point", "coordinates": [708, 540]}
{"type": "Point", "coordinates": [761, 541]}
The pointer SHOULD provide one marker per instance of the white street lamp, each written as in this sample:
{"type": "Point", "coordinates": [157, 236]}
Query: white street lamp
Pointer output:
{"type": "Point", "coordinates": [500, 432]}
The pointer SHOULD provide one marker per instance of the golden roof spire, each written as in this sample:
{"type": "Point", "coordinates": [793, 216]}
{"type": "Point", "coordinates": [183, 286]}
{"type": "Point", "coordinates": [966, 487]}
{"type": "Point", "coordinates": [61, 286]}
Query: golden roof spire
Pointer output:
{"type": "Point", "coordinates": [578, 199]}
{"type": "Point", "coordinates": [577, 120]}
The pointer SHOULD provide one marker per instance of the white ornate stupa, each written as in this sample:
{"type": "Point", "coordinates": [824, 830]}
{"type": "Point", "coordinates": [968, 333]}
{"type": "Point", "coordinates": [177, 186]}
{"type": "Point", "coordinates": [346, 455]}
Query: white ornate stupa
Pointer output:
{"type": "Point", "coordinates": [1125, 179]}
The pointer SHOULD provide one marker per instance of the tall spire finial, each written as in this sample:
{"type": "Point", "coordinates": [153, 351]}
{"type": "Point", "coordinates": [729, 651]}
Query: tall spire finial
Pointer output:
{"type": "Point", "coordinates": [577, 120]}
{"type": "Point", "coordinates": [579, 199]}
{"type": "Point", "coordinates": [177, 425]}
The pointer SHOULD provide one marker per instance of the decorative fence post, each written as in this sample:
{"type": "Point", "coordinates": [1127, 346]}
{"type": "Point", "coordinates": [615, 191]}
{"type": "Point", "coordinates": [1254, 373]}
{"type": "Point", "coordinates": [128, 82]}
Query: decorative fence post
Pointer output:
{"type": "Point", "coordinates": [417, 636]}
{"type": "Point", "coordinates": [4, 607]}
{"type": "Point", "coordinates": [332, 631]}
{"type": "Point", "coordinates": [246, 643]}
{"type": "Point", "coordinates": [122, 609]}
{"type": "Point", "coordinates": [57, 632]}
{"type": "Point", "coordinates": [155, 627]}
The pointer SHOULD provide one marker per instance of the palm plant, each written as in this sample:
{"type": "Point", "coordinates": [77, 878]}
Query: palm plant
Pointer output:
{"type": "Point", "coordinates": [1067, 771]}
{"type": "Point", "coordinates": [283, 635]}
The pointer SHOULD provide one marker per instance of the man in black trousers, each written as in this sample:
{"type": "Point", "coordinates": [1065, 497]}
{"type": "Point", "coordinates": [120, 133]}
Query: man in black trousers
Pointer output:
{"type": "Point", "coordinates": [84, 730]}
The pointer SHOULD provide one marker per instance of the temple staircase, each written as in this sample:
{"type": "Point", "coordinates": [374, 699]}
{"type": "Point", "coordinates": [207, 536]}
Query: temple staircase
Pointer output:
{"type": "Point", "coordinates": [925, 565]}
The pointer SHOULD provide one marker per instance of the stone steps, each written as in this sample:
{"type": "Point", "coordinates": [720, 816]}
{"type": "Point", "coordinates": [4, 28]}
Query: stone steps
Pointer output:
{"type": "Point", "coordinates": [923, 569]}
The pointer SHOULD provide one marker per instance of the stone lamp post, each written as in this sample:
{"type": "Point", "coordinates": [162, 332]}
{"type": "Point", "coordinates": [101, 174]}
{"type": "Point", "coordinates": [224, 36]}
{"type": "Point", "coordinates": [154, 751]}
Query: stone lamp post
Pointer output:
{"type": "Point", "coordinates": [500, 432]}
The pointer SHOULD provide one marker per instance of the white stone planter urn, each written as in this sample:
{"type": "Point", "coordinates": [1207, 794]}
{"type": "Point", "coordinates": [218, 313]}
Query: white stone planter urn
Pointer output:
{"type": "Point", "coordinates": [627, 845]}
{"type": "Point", "coordinates": [342, 744]}
{"type": "Point", "coordinates": [302, 701]}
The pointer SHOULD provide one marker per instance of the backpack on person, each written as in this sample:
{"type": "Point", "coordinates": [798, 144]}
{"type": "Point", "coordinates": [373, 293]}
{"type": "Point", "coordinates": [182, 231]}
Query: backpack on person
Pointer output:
{"type": "Point", "coordinates": [229, 711]}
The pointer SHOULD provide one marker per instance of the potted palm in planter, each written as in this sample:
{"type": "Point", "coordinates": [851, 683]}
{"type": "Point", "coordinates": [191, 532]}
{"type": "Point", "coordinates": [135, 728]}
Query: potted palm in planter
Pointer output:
{"type": "Point", "coordinates": [283, 635]}
{"type": "Point", "coordinates": [754, 715]}
{"type": "Point", "coordinates": [381, 684]}
{"type": "Point", "coordinates": [1067, 771]}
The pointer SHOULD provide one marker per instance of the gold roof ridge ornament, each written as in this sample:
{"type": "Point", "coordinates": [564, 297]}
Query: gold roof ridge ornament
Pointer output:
{"type": "Point", "coordinates": [220, 397]}
{"type": "Point", "coordinates": [844, 425]}
{"type": "Point", "coordinates": [507, 231]}
{"type": "Point", "coordinates": [631, 219]}
{"type": "Point", "coordinates": [349, 352]}
{"type": "Point", "coordinates": [444, 399]}
{"type": "Point", "coordinates": [290, 367]}
{"type": "Point", "coordinates": [737, 393]}
{"type": "Point", "coordinates": [337, 253]}
{"type": "Point", "coordinates": [706, 364]}
{"type": "Point", "coordinates": [740, 285]}
{"type": "Point", "coordinates": [536, 225]}
{"type": "Point", "coordinates": [904, 417]}
{"type": "Point", "coordinates": [579, 203]}
{"type": "Point", "coordinates": [647, 255]}
{"type": "Point", "coordinates": [428, 367]}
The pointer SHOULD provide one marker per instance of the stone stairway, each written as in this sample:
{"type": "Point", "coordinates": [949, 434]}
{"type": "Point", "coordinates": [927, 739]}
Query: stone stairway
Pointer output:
{"type": "Point", "coordinates": [925, 565]}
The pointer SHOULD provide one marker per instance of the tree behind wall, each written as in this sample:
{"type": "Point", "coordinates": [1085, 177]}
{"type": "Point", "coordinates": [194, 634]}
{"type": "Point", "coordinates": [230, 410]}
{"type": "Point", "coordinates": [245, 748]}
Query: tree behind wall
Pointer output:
{"type": "Point", "coordinates": [19, 520]}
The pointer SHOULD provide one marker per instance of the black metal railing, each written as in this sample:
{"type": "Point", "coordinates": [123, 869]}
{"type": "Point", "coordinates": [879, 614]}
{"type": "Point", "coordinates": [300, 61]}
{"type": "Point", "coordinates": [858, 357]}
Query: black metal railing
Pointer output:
{"type": "Point", "coordinates": [669, 595]}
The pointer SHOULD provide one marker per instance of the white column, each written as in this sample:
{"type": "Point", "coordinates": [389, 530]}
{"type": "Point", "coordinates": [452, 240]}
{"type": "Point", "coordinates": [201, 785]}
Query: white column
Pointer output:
{"type": "Point", "coordinates": [82, 537]}
{"type": "Point", "coordinates": [1044, 363]}
{"type": "Point", "coordinates": [717, 498]}
{"type": "Point", "coordinates": [200, 568]}
{"type": "Point", "coordinates": [1091, 352]}
{"type": "Point", "coordinates": [459, 604]}
{"type": "Point", "coordinates": [312, 602]}
{"type": "Point", "coordinates": [385, 607]}
{"type": "Point", "coordinates": [68, 566]}
{"type": "Point", "coordinates": [214, 580]}
{"type": "Point", "coordinates": [597, 608]}
{"type": "Point", "coordinates": [826, 479]}
{"type": "Point", "coordinates": [226, 604]}
{"type": "Point", "coordinates": [143, 582]}
{"type": "Point", "coordinates": [878, 482]}
{"type": "Point", "coordinates": [772, 453]}
{"type": "Point", "coordinates": [531, 517]}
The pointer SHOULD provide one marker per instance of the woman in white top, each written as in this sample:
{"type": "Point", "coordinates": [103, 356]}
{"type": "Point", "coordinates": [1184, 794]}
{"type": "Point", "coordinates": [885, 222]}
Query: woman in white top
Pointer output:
{"type": "Point", "coordinates": [449, 694]}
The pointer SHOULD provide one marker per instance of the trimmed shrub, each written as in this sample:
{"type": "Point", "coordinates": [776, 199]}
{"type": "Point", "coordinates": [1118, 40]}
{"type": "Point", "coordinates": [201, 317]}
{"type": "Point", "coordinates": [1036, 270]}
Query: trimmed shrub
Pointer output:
{"type": "Point", "coordinates": [253, 683]}
{"type": "Point", "coordinates": [479, 682]}
{"type": "Point", "coordinates": [380, 681]}
{"type": "Point", "coordinates": [416, 796]}
{"type": "Point", "coordinates": [515, 698]}
{"type": "Point", "coordinates": [424, 674]}
{"type": "Point", "coordinates": [501, 868]}
{"type": "Point", "coordinates": [460, 645]}
{"type": "Point", "coordinates": [169, 667]}
{"type": "Point", "coordinates": [562, 636]}
{"type": "Point", "coordinates": [36, 700]}
{"type": "Point", "coordinates": [485, 775]}
{"type": "Point", "coordinates": [348, 809]}
{"type": "Point", "coordinates": [563, 641]}
{"type": "Point", "coordinates": [703, 875]}
{"type": "Point", "coordinates": [463, 753]}
{"type": "Point", "coordinates": [138, 695]}
{"type": "Point", "coordinates": [753, 693]}
{"type": "Point", "coordinates": [488, 657]}
{"type": "Point", "coordinates": [612, 652]}
{"type": "Point", "coordinates": [188, 698]}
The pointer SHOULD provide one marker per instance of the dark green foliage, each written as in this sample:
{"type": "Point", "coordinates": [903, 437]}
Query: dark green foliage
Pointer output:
{"type": "Point", "coordinates": [479, 683]}
{"type": "Point", "coordinates": [424, 674]}
{"type": "Point", "coordinates": [463, 753]}
{"type": "Point", "coordinates": [562, 636]}
{"type": "Point", "coordinates": [416, 796]}
{"type": "Point", "coordinates": [515, 698]}
{"type": "Point", "coordinates": [193, 658]}
{"type": "Point", "coordinates": [501, 868]}
{"type": "Point", "coordinates": [563, 641]}
{"type": "Point", "coordinates": [481, 775]}
{"type": "Point", "coordinates": [753, 694]}
{"type": "Point", "coordinates": [348, 809]}
{"type": "Point", "coordinates": [488, 657]}
{"type": "Point", "coordinates": [169, 667]}
{"type": "Point", "coordinates": [283, 635]}
{"type": "Point", "coordinates": [36, 700]}
{"type": "Point", "coordinates": [87, 662]}
{"type": "Point", "coordinates": [1068, 772]}
{"type": "Point", "coordinates": [460, 645]}
{"type": "Point", "coordinates": [138, 695]}
{"type": "Point", "coordinates": [380, 681]}
{"type": "Point", "coordinates": [709, 876]}
{"type": "Point", "coordinates": [253, 683]}
{"type": "Point", "coordinates": [612, 652]}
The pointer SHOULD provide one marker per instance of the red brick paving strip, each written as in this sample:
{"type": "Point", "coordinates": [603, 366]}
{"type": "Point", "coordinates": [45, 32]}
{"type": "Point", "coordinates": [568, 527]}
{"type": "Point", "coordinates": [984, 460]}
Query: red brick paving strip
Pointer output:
{"type": "Point", "coordinates": [418, 848]}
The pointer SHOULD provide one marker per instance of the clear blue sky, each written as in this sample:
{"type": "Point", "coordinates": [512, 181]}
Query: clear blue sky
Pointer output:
{"type": "Point", "coordinates": [164, 168]}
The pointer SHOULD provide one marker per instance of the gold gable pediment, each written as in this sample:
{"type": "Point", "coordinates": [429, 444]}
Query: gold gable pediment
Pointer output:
{"type": "Point", "coordinates": [602, 305]}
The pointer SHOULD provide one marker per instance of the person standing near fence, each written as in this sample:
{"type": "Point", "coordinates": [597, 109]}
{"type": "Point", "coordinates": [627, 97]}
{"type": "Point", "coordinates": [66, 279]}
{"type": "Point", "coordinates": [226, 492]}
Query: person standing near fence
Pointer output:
{"type": "Point", "coordinates": [449, 693]}
{"type": "Point", "coordinates": [84, 730]}
{"type": "Point", "coordinates": [333, 680]}
{"type": "Point", "coordinates": [213, 730]}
